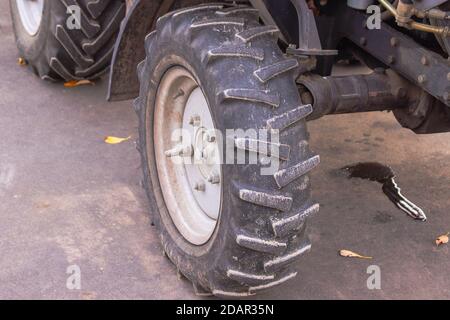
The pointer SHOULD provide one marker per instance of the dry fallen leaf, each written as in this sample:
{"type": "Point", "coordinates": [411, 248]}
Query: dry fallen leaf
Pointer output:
{"type": "Point", "coordinates": [116, 140]}
{"type": "Point", "coordinates": [76, 83]}
{"type": "Point", "coordinates": [21, 62]}
{"type": "Point", "coordinates": [442, 239]}
{"type": "Point", "coordinates": [351, 254]}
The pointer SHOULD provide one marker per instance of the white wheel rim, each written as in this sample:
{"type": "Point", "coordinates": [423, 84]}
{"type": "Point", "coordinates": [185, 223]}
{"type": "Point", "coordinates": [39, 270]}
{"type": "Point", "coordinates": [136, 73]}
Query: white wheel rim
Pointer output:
{"type": "Point", "coordinates": [191, 183]}
{"type": "Point", "coordinates": [30, 12]}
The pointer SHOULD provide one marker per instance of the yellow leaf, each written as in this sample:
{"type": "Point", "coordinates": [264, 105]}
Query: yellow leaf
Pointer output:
{"type": "Point", "coordinates": [116, 140]}
{"type": "Point", "coordinates": [21, 62]}
{"type": "Point", "coordinates": [442, 239]}
{"type": "Point", "coordinates": [76, 83]}
{"type": "Point", "coordinates": [351, 254]}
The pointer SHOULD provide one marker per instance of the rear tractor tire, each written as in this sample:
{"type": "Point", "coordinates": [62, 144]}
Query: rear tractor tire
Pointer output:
{"type": "Point", "coordinates": [228, 228]}
{"type": "Point", "coordinates": [60, 48]}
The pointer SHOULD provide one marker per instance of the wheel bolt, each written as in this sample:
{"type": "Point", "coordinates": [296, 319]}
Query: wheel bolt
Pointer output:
{"type": "Point", "coordinates": [180, 150]}
{"type": "Point", "coordinates": [210, 138]}
{"type": "Point", "coordinates": [200, 186]}
{"type": "Point", "coordinates": [195, 121]}
{"type": "Point", "coordinates": [214, 178]}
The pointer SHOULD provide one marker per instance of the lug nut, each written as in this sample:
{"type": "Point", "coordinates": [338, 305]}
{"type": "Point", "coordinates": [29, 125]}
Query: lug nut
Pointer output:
{"type": "Point", "coordinates": [394, 42]}
{"type": "Point", "coordinates": [195, 121]}
{"type": "Point", "coordinates": [391, 59]}
{"type": "Point", "coordinates": [422, 79]}
{"type": "Point", "coordinates": [214, 178]}
{"type": "Point", "coordinates": [180, 150]}
{"type": "Point", "coordinates": [200, 186]}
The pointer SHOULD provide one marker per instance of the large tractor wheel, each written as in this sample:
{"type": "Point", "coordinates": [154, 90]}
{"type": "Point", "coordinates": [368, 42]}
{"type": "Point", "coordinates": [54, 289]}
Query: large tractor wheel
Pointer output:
{"type": "Point", "coordinates": [228, 228]}
{"type": "Point", "coordinates": [57, 45]}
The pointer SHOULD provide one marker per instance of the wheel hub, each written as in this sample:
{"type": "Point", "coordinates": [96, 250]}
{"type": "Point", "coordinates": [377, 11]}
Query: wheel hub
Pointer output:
{"type": "Point", "coordinates": [189, 167]}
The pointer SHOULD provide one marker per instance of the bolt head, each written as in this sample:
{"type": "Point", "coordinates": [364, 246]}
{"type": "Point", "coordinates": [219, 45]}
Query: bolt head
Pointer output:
{"type": "Point", "coordinates": [214, 178]}
{"type": "Point", "coordinates": [363, 41]}
{"type": "Point", "coordinates": [422, 78]}
{"type": "Point", "coordinates": [194, 121]}
{"type": "Point", "coordinates": [200, 186]}
{"type": "Point", "coordinates": [424, 61]}
{"type": "Point", "coordinates": [391, 59]}
{"type": "Point", "coordinates": [394, 42]}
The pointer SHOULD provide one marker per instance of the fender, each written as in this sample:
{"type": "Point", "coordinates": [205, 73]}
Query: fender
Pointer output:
{"type": "Point", "coordinates": [129, 49]}
{"type": "Point", "coordinates": [141, 18]}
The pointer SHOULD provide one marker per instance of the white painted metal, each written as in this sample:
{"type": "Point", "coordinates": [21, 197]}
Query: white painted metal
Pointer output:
{"type": "Point", "coordinates": [31, 12]}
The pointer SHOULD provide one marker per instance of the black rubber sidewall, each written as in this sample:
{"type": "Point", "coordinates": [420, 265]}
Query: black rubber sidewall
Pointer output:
{"type": "Point", "coordinates": [31, 47]}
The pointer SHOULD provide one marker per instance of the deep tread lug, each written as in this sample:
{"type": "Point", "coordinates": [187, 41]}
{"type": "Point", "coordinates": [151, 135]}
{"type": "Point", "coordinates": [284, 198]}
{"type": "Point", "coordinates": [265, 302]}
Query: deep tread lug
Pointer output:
{"type": "Point", "coordinates": [231, 294]}
{"type": "Point", "coordinates": [197, 9]}
{"type": "Point", "coordinates": [251, 95]}
{"type": "Point", "coordinates": [97, 7]}
{"type": "Point", "coordinates": [263, 148]}
{"type": "Point", "coordinates": [279, 262]}
{"type": "Point", "coordinates": [218, 22]}
{"type": "Point", "coordinates": [235, 51]}
{"type": "Point", "coordinates": [279, 202]}
{"type": "Point", "coordinates": [273, 283]}
{"type": "Point", "coordinates": [238, 9]}
{"type": "Point", "coordinates": [286, 176]}
{"type": "Point", "coordinates": [75, 53]}
{"type": "Point", "coordinates": [269, 72]}
{"type": "Point", "coordinates": [285, 226]}
{"type": "Point", "coordinates": [289, 118]}
{"type": "Point", "coordinates": [262, 245]}
{"type": "Point", "coordinates": [249, 278]}
{"type": "Point", "coordinates": [250, 34]}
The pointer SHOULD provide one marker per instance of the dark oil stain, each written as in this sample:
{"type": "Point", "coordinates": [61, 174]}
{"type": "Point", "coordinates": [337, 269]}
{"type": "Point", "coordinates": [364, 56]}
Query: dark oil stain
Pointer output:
{"type": "Point", "coordinates": [384, 175]}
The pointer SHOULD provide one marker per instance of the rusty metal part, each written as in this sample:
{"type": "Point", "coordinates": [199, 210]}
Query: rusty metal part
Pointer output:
{"type": "Point", "coordinates": [424, 115]}
{"type": "Point", "coordinates": [378, 91]}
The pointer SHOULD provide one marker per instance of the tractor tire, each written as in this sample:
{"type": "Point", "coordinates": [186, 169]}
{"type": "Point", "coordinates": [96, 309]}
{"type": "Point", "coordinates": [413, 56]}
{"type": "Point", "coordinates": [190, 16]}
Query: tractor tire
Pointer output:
{"type": "Point", "coordinates": [58, 50]}
{"type": "Point", "coordinates": [248, 83]}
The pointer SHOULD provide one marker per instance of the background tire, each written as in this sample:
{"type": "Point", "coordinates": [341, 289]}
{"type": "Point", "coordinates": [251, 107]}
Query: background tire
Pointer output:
{"type": "Point", "coordinates": [57, 53]}
{"type": "Point", "coordinates": [249, 84]}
